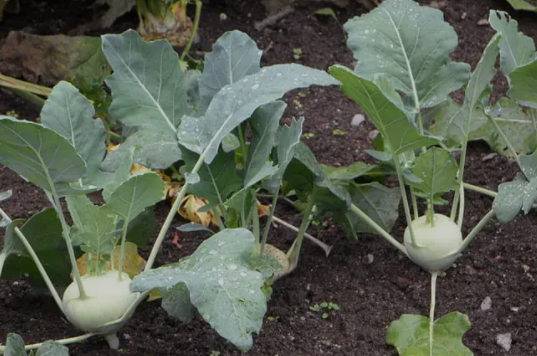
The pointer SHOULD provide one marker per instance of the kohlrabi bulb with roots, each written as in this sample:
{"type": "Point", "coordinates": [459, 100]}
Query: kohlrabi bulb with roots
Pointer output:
{"type": "Point", "coordinates": [435, 243]}
{"type": "Point", "coordinates": [107, 300]}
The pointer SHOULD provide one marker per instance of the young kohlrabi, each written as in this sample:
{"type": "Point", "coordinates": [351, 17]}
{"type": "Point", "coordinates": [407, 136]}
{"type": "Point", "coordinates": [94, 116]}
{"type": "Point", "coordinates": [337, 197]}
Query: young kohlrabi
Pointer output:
{"type": "Point", "coordinates": [404, 68]}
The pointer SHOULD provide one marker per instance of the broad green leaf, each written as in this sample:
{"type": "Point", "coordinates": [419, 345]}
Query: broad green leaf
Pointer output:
{"type": "Point", "coordinates": [44, 233]}
{"type": "Point", "coordinates": [460, 123]}
{"type": "Point", "coordinates": [379, 203]}
{"type": "Point", "coordinates": [526, 5]}
{"type": "Point", "coordinates": [177, 303]}
{"type": "Point", "coordinates": [351, 172]}
{"type": "Point", "coordinates": [437, 170]}
{"type": "Point", "coordinates": [520, 194]}
{"type": "Point", "coordinates": [40, 155]}
{"type": "Point", "coordinates": [218, 180]}
{"type": "Point", "coordinates": [287, 139]}
{"type": "Point", "coordinates": [14, 346]}
{"type": "Point", "coordinates": [238, 101]}
{"type": "Point", "coordinates": [516, 49]}
{"type": "Point", "coordinates": [51, 348]}
{"type": "Point", "coordinates": [152, 149]}
{"type": "Point", "coordinates": [70, 114]}
{"type": "Point", "coordinates": [142, 228]}
{"type": "Point", "coordinates": [524, 85]}
{"type": "Point", "coordinates": [225, 291]}
{"type": "Point", "coordinates": [97, 231]}
{"type": "Point", "coordinates": [135, 195]}
{"type": "Point", "coordinates": [529, 165]}
{"type": "Point", "coordinates": [266, 265]}
{"type": "Point", "coordinates": [410, 45]}
{"type": "Point", "coordinates": [148, 86]}
{"type": "Point", "coordinates": [399, 134]}
{"type": "Point", "coordinates": [264, 123]}
{"type": "Point", "coordinates": [111, 181]}
{"type": "Point", "coordinates": [234, 56]}
{"type": "Point", "coordinates": [305, 175]}
{"type": "Point", "coordinates": [514, 121]}
{"type": "Point", "coordinates": [410, 335]}
{"type": "Point", "coordinates": [239, 208]}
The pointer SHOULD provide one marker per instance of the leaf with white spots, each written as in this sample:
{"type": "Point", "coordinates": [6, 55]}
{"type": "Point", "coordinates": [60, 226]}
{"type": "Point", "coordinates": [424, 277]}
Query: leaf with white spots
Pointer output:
{"type": "Point", "coordinates": [227, 294]}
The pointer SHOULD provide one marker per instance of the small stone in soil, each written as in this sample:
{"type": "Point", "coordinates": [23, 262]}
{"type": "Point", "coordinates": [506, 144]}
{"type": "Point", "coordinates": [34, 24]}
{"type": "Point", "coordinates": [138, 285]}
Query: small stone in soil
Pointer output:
{"type": "Point", "coordinates": [370, 259]}
{"type": "Point", "coordinates": [486, 304]}
{"type": "Point", "coordinates": [403, 283]}
{"type": "Point", "coordinates": [357, 120]}
{"type": "Point", "coordinates": [489, 157]}
{"type": "Point", "coordinates": [483, 22]}
{"type": "Point", "coordinates": [504, 340]}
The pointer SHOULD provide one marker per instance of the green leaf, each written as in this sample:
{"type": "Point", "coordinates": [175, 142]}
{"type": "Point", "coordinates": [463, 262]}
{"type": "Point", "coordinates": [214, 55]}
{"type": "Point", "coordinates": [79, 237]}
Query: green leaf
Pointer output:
{"type": "Point", "coordinates": [135, 195]}
{"type": "Point", "coordinates": [410, 335]}
{"type": "Point", "coordinates": [266, 265]}
{"type": "Point", "coordinates": [5, 195]}
{"type": "Point", "coordinates": [44, 233]}
{"type": "Point", "coordinates": [264, 123]}
{"type": "Point", "coordinates": [326, 11]}
{"type": "Point", "coordinates": [410, 45]}
{"type": "Point", "coordinates": [514, 121]}
{"type": "Point", "coordinates": [148, 86]}
{"type": "Point", "coordinates": [218, 180]}
{"type": "Point", "coordinates": [152, 149]}
{"type": "Point", "coordinates": [14, 346]}
{"type": "Point", "coordinates": [459, 124]}
{"type": "Point", "coordinates": [520, 194]}
{"type": "Point", "coordinates": [40, 155]}
{"type": "Point", "coordinates": [379, 203]}
{"type": "Point", "coordinates": [234, 56]}
{"type": "Point", "coordinates": [51, 348]}
{"type": "Point", "coordinates": [398, 133]}
{"type": "Point", "coordinates": [177, 304]}
{"type": "Point", "coordinates": [351, 172]}
{"type": "Point", "coordinates": [516, 50]}
{"type": "Point", "coordinates": [524, 85]}
{"type": "Point", "coordinates": [97, 231]}
{"type": "Point", "coordinates": [287, 140]}
{"type": "Point", "coordinates": [437, 170]}
{"type": "Point", "coordinates": [142, 228]}
{"type": "Point", "coordinates": [70, 114]}
{"type": "Point", "coordinates": [529, 165]}
{"type": "Point", "coordinates": [523, 5]}
{"type": "Point", "coordinates": [238, 101]}
{"type": "Point", "coordinates": [227, 294]}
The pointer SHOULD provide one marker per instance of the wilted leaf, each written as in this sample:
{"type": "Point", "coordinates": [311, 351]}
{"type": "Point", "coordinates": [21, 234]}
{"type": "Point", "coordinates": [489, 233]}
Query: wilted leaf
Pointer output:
{"type": "Point", "coordinates": [410, 335]}
{"type": "Point", "coordinates": [133, 263]}
{"type": "Point", "coordinates": [189, 210]}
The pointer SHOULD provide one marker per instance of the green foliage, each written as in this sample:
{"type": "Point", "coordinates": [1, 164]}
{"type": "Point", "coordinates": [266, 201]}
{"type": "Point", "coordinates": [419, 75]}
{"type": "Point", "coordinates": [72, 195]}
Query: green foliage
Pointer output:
{"type": "Point", "coordinates": [15, 347]}
{"type": "Point", "coordinates": [223, 289]}
{"type": "Point", "coordinates": [410, 335]}
{"type": "Point", "coordinates": [410, 45]}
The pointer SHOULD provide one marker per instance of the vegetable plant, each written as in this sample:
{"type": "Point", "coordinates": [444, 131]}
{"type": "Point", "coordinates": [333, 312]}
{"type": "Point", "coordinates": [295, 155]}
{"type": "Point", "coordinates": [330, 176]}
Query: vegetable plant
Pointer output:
{"type": "Point", "coordinates": [404, 70]}
{"type": "Point", "coordinates": [169, 115]}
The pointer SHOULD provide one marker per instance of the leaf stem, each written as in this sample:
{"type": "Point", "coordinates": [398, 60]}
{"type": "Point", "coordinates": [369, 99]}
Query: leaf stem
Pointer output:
{"type": "Point", "coordinates": [242, 143]}
{"type": "Point", "coordinates": [294, 252]}
{"type": "Point", "coordinates": [65, 233]}
{"type": "Point", "coordinates": [268, 224]}
{"type": "Point", "coordinates": [316, 241]}
{"type": "Point", "coordinates": [122, 250]}
{"type": "Point", "coordinates": [461, 206]}
{"type": "Point", "coordinates": [414, 203]}
{"type": "Point", "coordinates": [194, 30]}
{"type": "Point", "coordinates": [255, 223]}
{"type": "Point", "coordinates": [356, 210]}
{"type": "Point", "coordinates": [507, 142]}
{"type": "Point", "coordinates": [434, 277]}
{"type": "Point", "coordinates": [480, 190]}
{"type": "Point", "coordinates": [66, 341]}
{"type": "Point", "coordinates": [170, 216]}
{"type": "Point", "coordinates": [480, 225]}
{"type": "Point", "coordinates": [13, 83]}
{"type": "Point", "coordinates": [36, 260]}
{"type": "Point", "coordinates": [405, 199]}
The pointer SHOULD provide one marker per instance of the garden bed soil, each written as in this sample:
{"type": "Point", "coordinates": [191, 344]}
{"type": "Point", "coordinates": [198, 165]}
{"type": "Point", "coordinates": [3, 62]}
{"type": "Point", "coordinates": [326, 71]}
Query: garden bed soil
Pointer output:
{"type": "Point", "coordinates": [372, 283]}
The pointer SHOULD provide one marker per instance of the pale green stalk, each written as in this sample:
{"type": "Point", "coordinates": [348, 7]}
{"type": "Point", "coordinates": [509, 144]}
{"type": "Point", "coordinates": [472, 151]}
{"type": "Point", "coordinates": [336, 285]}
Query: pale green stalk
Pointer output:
{"type": "Point", "coordinates": [480, 190]}
{"type": "Point", "coordinates": [405, 199]}
{"type": "Point", "coordinates": [326, 248]}
{"type": "Point", "coordinates": [414, 203]}
{"type": "Point", "coordinates": [461, 207]}
{"type": "Point", "coordinates": [256, 229]}
{"type": "Point", "coordinates": [507, 142]}
{"type": "Point", "coordinates": [434, 276]}
{"type": "Point", "coordinates": [378, 229]}
{"type": "Point", "coordinates": [122, 250]}
{"type": "Point", "coordinates": [269, 219]}
{"type": "Point", "coordinates": [194, 30]}
{"type": "Point", "coordinates": [13, 83]}
{"type": "Point", "coordinates": [294, 252]}
{"type": "Point", "coordinates": [36, 260]}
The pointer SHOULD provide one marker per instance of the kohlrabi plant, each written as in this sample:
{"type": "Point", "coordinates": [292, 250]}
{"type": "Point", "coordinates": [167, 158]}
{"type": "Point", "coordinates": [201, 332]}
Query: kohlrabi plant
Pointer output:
{"type": "Point", "coordinates": [169, 116]}
{"type": "Point", "coordinates": [403, 71]}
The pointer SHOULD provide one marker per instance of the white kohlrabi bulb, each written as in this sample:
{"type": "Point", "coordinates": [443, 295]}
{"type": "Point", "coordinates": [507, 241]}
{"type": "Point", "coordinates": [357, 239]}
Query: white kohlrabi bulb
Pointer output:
{"type": "Point", "coordinates": [108, 299]}
{"type": "Point", "coordinates": [435, 244]}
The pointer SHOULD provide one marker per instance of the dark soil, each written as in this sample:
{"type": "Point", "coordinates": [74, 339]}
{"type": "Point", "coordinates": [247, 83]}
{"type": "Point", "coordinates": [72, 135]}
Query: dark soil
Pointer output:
{"type": "Point", "coordinates": [499, 264]}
